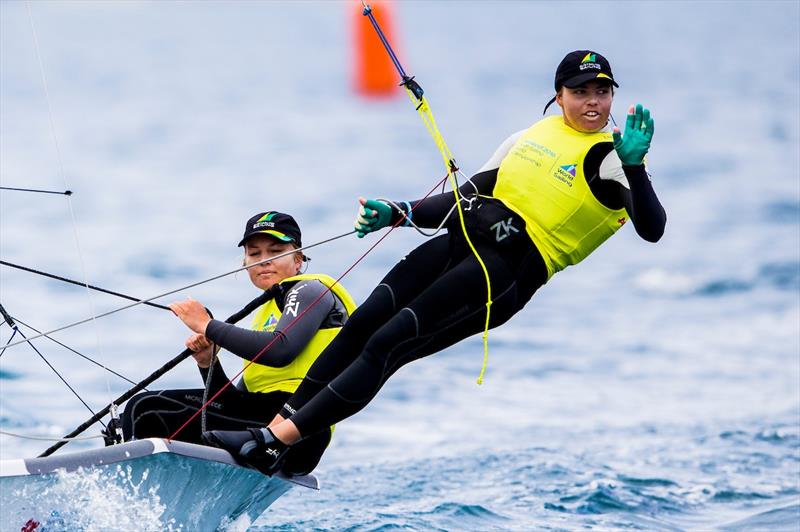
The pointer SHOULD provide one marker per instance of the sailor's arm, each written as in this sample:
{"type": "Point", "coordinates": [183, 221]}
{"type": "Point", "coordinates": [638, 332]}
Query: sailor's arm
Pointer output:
{"type": "Point", "coordinates": [644, 208]}
{"type": "Point", "coordinates": [646, 212]}
{"type": "Point", "coordinates": [430, 212]}
{"type": "Point", "coordinates": [289, 338]}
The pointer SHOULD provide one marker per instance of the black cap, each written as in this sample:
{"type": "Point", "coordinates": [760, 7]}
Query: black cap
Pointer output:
{"type": "Point", "coordinates": [275, 224]}
{"type": "Point", "coordinates": [581, 66]}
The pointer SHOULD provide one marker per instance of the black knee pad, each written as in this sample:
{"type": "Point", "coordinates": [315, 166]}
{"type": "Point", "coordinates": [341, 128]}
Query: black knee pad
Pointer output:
{"type": "Point", "coordinates": [402, 327]}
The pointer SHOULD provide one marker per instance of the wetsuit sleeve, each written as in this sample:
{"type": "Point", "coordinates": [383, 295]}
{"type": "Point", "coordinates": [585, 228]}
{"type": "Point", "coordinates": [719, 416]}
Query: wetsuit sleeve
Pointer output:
{"type": "Point", "coordinates": [629, 187]}
{"type": "Point", "coordinates": [645, 210]}
{"type": "Point", "coordinates": [286, 342]}
{"type": "Point", "coordinates": [430, 212]}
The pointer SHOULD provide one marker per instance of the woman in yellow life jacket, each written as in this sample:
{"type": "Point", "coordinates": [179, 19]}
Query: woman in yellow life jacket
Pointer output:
{"type": "Point", "coordinates": [548, 197]}
{"type": "Point", "coordinates": [305, 313]}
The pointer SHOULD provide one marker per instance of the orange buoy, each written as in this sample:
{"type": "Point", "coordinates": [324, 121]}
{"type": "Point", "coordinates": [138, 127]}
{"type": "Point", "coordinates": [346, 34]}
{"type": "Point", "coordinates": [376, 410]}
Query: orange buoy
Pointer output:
{"type": "Point", "coordinates": [374, 75]}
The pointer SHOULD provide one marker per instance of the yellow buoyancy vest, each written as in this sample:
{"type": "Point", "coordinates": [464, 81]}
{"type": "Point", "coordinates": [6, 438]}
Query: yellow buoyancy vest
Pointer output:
{"type": "Point", "coordinates": [263, 378]}
{"type": "Point", "coordinates": [542, 180]}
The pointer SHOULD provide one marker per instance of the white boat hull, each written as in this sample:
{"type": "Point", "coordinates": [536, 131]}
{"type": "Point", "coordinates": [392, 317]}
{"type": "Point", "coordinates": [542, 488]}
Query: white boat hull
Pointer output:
{"type": "Point", "coordinates": [170, 485]}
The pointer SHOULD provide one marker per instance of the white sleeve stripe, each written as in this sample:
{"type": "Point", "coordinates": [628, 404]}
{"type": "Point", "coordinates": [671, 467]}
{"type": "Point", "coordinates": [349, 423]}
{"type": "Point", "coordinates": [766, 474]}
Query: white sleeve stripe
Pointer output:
{"type": "Point", "coordinates": [611, 169]}
{"type": "Point", "coordinates": [497, 157]}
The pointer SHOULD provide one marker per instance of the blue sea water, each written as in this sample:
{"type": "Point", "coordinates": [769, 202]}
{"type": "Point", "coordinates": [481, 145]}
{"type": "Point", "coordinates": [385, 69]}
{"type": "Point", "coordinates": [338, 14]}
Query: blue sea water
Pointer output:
{"type": "Point", "coordinates": [651, 387]}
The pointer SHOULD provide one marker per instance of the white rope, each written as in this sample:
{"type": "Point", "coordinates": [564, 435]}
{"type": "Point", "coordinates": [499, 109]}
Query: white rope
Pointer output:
{"type": "Point", "coordinates": [198, 283]}
{"type": "Point", "coordinates": [63, 175]}
{"type": "Point", "coordinates": [44, 438]}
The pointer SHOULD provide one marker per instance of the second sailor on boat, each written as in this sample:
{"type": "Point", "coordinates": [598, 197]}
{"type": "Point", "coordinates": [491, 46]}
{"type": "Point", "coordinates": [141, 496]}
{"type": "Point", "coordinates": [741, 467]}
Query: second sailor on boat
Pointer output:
{"type": "Point", "coordinates": [291, 348]}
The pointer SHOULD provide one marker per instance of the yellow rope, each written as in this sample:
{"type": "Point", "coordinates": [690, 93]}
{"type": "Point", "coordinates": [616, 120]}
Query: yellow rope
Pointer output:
{"type": "Point", "coordinates": [427, 117]}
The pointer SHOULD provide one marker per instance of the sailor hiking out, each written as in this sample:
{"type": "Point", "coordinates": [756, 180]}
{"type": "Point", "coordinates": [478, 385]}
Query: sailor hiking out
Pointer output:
{"type": "Point", "coordinates": [545, 200]}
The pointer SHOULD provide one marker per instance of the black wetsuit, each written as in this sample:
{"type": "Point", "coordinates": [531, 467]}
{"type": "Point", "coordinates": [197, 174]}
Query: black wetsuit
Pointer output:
{"type": "Point", "coordinates": [159, 414]}
{"type": "Point", "coordinates": [436, 295]}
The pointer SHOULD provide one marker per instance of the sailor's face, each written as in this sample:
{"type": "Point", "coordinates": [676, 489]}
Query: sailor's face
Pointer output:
{"type": "Point", "coordinates": [261, 247]}
{"type": "Point", "coordinates": [586, 108]}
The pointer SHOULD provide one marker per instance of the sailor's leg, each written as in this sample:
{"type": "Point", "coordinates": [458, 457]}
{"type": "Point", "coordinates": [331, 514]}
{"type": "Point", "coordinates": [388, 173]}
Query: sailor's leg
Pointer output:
{"type": "Point", "coordinates": [303, 457]}
{"type": "Point", "coordinates": [418, 270]}
{"type": "Point", "coordinates": [451, 309]}
{"type": "Point", "coordinates": [160, 414]}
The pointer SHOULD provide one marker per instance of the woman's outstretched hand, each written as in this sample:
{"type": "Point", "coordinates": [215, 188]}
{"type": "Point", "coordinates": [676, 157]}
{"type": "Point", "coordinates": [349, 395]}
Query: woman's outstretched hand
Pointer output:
{"type": "Point", "coordinates": [372, 215]}
{"type": "Point", "coordinates": [639, 128]}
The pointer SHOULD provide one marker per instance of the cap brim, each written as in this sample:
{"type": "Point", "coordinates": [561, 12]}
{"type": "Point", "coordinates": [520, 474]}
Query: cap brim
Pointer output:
{"type": "Point", "coordinates": [580, 79]}
{"type": "Point", "coordinates": [274, 234]}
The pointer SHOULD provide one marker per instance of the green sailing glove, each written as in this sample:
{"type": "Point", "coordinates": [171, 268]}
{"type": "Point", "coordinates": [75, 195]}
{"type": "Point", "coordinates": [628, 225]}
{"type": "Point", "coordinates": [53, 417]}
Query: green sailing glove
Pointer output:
{"type": "Point", "coordinates": [639, 129]}
{"type": "Point", "coordinates": [372, 215]}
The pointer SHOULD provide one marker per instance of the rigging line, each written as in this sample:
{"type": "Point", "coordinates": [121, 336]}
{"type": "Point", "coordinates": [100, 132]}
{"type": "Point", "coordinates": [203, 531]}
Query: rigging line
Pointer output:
{"type": "Point", "coordinates": [183, 355]}
{"type": "Point", "coordinates": [207, 384]}
{"type": "Point", "coordinates": [55, 371]}
{"type": "Point", "coordinates": [416, 95]}
{"type": "Point", "coordinates": [78, 283]}
{"type": "Point", "coordinates": [7, 319]}
{"type": "Point", "coordinates": [63, 174]}
{"type": "Point", "coordinates": [446, 217]}
{"type": "Point", "coordinates": [368, 12]}
{"type": "Point", "coordinates": [9, 341]}
{"type": "Point", "coordinates": [6, 316]}
{"type": "Point", "coordinates": [198, 283]}
{"type": "Point", "coordinates": [43, 438]}
{"type": "Point", "coordinates": [65, 346]}
{"type": "Point", "coordinates": [295, 320]}
{"type": "Point", "coordinates": [64, 193]}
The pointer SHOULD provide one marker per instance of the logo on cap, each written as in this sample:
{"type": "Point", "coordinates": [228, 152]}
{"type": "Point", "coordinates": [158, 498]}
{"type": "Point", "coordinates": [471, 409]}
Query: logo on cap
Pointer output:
{"type": "Point", "coordinates": [590, 61]}
{"type": "Point", "coordinates": [265, 221]}
{"type": "Point", "coordinates": [273, 223]}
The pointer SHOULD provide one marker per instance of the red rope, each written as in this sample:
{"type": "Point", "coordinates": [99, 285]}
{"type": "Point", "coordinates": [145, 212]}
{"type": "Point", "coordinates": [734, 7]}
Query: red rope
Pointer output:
{"type": "Point", "coordinates": [291, 324]}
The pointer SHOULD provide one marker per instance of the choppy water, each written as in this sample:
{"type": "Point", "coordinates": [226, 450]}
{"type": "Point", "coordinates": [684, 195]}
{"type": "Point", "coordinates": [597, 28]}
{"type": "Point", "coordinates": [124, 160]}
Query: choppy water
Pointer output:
{"type": "Point", "coordinates": [155, 492]}
{"type": "Point", "coordinates": [651, 387]}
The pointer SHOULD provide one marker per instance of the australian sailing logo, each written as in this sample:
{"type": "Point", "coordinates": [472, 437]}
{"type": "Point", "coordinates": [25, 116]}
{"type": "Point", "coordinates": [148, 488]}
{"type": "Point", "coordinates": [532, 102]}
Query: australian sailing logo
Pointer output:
{"type": "Point", "coordinates": [590, 61]}
{"type": "Point", "coordinates": [265, 221]}
{"type": "Point", "coordinates": [270, 324]}
{"type": "Point", "coordinates": [566, 173]}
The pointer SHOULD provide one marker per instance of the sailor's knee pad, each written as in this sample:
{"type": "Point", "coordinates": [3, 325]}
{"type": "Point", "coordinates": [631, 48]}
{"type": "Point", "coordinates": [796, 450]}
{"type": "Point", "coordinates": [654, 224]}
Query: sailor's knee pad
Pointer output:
{"type": "Point", "coordinates": [402, 327]}
{"type": "Point", "coordinates": [368, 317]}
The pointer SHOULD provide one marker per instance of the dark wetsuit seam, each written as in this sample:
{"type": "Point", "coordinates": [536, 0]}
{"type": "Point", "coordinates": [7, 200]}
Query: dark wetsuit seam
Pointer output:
{"type": "Point", "coordinates": [314, 380]}
{"type": "Point", "coordinates": [400, 361]}
{"type": "Point", "coordinates": [416, 320]}
{"type": "Point", "coordinates": [185, 406]}
{"type": "Point", "coordinates": [391, 294]}
{"type": "Point", "coordinates": [429, 337]}
{"type": "Point", "coordinates": [334, 392]}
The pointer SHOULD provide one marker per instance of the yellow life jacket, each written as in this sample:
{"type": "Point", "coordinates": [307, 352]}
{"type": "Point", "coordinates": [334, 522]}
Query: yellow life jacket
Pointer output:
{"type": "Point", "coordinates": [260, 377]}
{"type": "Point", "coordinates": [542, 180]}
